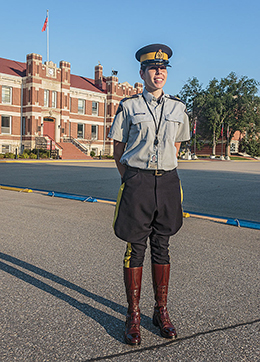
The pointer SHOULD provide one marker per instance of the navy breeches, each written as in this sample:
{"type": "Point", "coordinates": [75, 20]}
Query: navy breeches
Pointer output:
{"type": "Point", "coordinates": [148, 206]}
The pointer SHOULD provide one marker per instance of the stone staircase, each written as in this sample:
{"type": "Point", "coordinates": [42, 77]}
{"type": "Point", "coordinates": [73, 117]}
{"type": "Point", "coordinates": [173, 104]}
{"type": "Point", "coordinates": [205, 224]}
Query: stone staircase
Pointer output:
{"type": "Point", "coordinates": [71, 152]}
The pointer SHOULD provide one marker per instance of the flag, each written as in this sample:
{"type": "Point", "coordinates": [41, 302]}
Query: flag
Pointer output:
{"type": "Point", "coordinates": [222, 129]}
{"type": "Point", "coordinates": [194, 127]}
{"type": "Point", "coordinates": [45, 24]}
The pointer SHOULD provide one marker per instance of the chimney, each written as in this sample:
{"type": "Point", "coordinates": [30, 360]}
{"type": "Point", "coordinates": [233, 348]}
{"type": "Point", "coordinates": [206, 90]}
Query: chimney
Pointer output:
{"type": "Point", "coordinates": [98, 76]}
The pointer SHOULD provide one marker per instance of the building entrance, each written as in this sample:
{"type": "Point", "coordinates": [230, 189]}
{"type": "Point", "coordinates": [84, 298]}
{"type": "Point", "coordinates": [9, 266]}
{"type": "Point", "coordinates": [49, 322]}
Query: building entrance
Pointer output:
{"type": "Point", "coordinates": [49, 127]}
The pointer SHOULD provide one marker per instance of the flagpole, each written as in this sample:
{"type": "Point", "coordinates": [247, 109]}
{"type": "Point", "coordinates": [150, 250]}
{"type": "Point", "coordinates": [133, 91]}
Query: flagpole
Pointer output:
{"type": "Point", "coordinates": [48, 51]}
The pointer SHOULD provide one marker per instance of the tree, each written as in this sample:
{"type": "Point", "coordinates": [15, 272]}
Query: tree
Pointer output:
{"type": "Point", "coordinates": [193, 95]}
{"type": "Point", "coordinates": [212, 113]}
{"type": "Point", "coordinates": [239, 100]}
{"type": "Point", "coordinates": [231, 102]}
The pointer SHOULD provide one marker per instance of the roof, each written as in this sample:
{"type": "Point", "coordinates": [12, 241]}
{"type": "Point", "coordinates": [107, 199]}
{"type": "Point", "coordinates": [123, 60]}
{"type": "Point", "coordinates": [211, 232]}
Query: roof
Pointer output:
{"type": "Point", "coordinates": [12, 67]}
{"type": "Point", "coordinates": [15, 68]}
{"type": "Point", "coordinates": [78, 81]}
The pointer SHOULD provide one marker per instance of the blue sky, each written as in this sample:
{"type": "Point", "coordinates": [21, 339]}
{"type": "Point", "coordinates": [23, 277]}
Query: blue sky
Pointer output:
{"type": "Point", "coordinates": [209, 38]}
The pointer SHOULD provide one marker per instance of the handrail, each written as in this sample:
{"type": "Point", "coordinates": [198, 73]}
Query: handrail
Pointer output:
{"type": "Point", "coordinates": [53, 141]}
{"type": "Point", "coordinates": [74, 141]}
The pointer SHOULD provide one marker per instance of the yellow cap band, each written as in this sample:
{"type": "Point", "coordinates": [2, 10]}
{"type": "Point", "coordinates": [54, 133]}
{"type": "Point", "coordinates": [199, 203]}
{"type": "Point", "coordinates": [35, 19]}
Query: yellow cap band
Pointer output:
{"type": "Point", "coordinates": [153, 56]}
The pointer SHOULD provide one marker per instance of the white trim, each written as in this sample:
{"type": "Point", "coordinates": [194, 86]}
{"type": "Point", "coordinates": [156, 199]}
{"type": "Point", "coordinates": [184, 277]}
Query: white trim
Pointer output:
{"type": "Point", "coordinates": [78, 93]}
{"type": "Point", "coordinates": [11, 94]}
{"type": "Point", "coordinates": [86, 122]}
{"type": "Point", "coordinates": [83, 131]}
{"type": "Point", "coordinates": [46, 91]}
{"type": "Point", "coordinates": [11, 113]}
{"type": "Point", "coordinates": [10, 125]}
{"type": "Point", "coordinates": [53, 101]}
{"type": "Point", "coordinates": [13, 79]}
{"type": "Point", "coordinates": [96, 133]}
{"type": "Point", "coordinates": [84, 106]}
{"type": "Point", "coordinates": [95, 114]}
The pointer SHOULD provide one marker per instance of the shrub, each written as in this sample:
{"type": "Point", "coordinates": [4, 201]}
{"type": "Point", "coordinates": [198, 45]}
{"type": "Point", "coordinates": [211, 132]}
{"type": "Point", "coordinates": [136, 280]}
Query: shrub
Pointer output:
{"type": "Point", "coordinates": [27, 151]}
{"type": "Point", "coordinates": [251, 147]}
{"type": "Point", "coordinates": [24, 155]}
{"type": "Point", "coordinates": [9, 155]}
{"type": "Point", "coordinates": [92, 153]}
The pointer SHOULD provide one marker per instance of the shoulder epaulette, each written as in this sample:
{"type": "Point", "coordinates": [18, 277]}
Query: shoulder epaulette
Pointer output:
{"type": "Point", "coordinates": [130, 97]}
{"type": "Point", "coordinates": [174, 98]}
{"type": "Point", "coordinates": [120, 107]}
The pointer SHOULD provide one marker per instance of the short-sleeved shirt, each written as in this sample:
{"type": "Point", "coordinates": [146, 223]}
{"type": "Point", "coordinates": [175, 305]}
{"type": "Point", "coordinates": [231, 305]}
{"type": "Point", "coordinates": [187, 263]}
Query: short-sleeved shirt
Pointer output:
{"type": "Point", "coordinates": [134, 125]}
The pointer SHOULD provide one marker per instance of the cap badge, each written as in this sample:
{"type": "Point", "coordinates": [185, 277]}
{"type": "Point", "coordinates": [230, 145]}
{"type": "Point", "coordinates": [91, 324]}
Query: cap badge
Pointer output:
{"type": "Point", "coordinates": [159, 54]}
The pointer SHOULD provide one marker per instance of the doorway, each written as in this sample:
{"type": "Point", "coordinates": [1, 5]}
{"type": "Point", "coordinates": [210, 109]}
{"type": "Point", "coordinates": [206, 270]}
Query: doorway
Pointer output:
{"type": "Point", "coordinates": [49, 127]}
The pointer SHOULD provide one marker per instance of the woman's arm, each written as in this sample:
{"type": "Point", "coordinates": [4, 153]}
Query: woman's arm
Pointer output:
{"type": "Point", "coordinates": [119, 148]}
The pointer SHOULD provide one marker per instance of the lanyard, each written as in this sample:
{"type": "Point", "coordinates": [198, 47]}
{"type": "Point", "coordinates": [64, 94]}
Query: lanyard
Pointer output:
{"type": "Point", "coordinates": [156, 141]}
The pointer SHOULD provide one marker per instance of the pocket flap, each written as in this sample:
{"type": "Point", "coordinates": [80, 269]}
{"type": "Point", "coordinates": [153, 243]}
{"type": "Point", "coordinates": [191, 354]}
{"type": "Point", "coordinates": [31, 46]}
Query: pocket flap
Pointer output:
{"type": "Point", "coordinates": [140, 117]}
{"type": "Point", "coordinates": [174, 118]}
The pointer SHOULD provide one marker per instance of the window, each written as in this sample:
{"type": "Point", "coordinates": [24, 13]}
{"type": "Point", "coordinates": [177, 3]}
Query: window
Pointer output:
{"type": "Point", "coordinates": [234, 147]}
{"type": "Point", "coordinates": [94, 108]}
{"type": "Point", "coordinates": [81, 106]}
{"type": "Point", "coordinates": [6, 94]}
{"type": "Point", "coordinates": [5, 148]}
{"type": "Point", "coordinates": [46, 98]}
{"type": "Point", "coordinates": [80, 130]}
{"type": "Point", "coordinates": [94, 132]}
{"type": "Point", "coordinates": [54, 99]}
{"type": "Point", "coordinates": [6, 124]}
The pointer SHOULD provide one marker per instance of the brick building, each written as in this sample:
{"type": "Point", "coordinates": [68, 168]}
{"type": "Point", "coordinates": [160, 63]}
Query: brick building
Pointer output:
{"type": "Point", "coordinates": [45, 106]}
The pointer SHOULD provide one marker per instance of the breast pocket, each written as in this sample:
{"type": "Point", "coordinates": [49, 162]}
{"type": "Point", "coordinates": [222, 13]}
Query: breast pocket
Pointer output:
{"type": "Point", "coordinates": [172, 125]}
{"type": "Point", "coordinates": [141, 124]}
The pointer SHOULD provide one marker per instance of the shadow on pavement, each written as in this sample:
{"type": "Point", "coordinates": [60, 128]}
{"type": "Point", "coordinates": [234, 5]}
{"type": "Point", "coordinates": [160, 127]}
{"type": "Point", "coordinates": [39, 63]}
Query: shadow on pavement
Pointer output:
{"type": "Point", "coordinates": [112, 325]}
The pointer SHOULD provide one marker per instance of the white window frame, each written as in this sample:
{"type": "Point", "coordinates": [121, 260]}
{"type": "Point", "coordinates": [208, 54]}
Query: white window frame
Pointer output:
{"type": "Point", "coordinates": [6, 151]}
{"type": "Point", "coordinates": [81, 110]}
{"type": "Point", "coordinates": [9, 101]}
{"type": "Point", "coordinates": [46, 97]}
{"type": "Point", "coordinates": [83, 129]}
{"type": "Point", "coordinates": [54, 99]}
{"type": "Point", "coordinates": [95, 108]}
{"type": "Point", "coordinates": [10, 124]}
{"type": "Point", "coordinates": [94, 133]}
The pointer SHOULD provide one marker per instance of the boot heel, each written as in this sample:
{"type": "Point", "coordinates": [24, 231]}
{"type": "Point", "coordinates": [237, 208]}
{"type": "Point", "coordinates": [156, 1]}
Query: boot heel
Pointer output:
{"type": "Point", "coordinates": [155, 321]}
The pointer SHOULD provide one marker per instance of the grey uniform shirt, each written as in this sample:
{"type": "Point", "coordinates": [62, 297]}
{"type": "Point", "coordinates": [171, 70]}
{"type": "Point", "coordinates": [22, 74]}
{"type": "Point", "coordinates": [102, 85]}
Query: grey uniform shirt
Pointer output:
{"type": "Point", "coordinates": [134, 125]}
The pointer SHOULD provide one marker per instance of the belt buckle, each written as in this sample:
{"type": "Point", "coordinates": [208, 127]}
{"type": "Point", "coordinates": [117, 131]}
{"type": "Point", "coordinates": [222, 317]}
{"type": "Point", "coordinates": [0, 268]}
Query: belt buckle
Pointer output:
{"type": "Point", "coordinates": [157, 173]}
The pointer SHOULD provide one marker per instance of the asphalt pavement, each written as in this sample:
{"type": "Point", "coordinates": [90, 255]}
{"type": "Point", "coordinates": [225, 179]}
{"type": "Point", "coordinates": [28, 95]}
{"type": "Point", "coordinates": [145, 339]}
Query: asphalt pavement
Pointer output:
{"type": "Point", "coordinates": [228, 189]}
{"type": "Point", "coordinates": [62, 292]}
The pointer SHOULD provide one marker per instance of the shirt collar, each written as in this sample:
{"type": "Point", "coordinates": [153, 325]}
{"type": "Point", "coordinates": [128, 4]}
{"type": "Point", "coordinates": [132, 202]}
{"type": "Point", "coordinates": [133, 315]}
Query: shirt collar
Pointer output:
{"type": "Point", "coordinates": [150, 98]}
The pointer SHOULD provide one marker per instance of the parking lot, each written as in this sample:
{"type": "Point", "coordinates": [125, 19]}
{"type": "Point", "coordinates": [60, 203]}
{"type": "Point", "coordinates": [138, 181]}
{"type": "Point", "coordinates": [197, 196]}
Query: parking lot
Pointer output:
{"type": "Point", "coordinates": [62, 292]}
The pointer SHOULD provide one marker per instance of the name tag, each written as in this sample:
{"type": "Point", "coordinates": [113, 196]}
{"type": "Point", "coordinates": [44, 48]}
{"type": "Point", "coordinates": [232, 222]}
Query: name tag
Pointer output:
{"type": "Point", "coordinates": [153, 160]}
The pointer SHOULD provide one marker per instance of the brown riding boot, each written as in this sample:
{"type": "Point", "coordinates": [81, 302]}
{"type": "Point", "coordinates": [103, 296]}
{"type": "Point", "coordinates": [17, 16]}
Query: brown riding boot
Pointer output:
{"type": "Point", "coordinates": [133, 279]}
{"type": "Point", "coordinates": [161, 274]}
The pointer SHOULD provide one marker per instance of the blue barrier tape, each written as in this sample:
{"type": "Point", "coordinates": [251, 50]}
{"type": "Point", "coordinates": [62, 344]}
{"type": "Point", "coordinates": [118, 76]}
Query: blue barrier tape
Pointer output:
{"type": "Point", "coordinates": [244, 223]}
{"type": "Point", "coordinates": [228, 221]}
{"type": "Point", "coordinates": [72, 197]}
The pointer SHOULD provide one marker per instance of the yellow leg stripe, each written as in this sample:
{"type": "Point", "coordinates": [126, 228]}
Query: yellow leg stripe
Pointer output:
{"type": "Point", "coordinates": [181, 193]}
{"type": "Point", "coordinates": [185, 214]}
{"type": "Point", "coordinates": [128, 255]}
{"type": "Point", "coordinates": [120, 192]}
